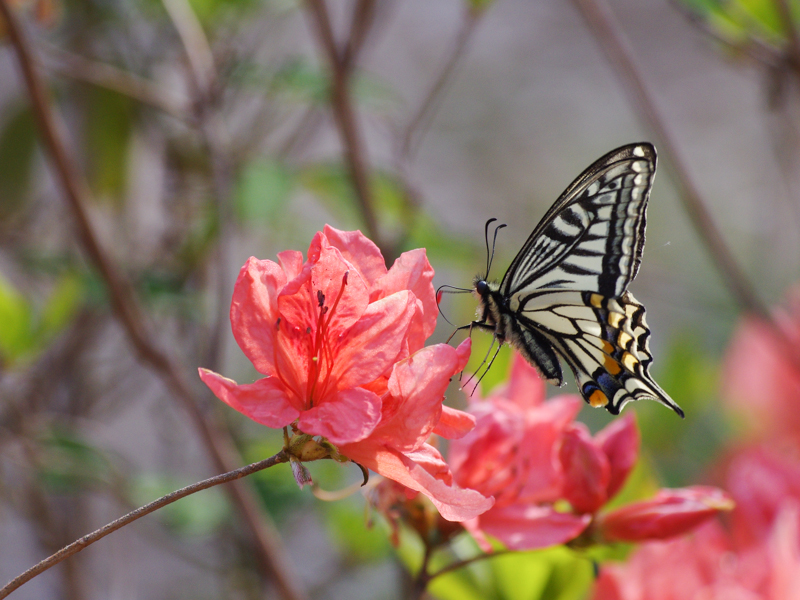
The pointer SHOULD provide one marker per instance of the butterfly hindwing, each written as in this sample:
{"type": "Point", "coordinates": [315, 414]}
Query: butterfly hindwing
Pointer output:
{"type": "Point", "coordinates": [605, 341]}
{"type": "Point", "coordinates": [565, 294]}
{"type": "Point", "coordinates": [593, 236]}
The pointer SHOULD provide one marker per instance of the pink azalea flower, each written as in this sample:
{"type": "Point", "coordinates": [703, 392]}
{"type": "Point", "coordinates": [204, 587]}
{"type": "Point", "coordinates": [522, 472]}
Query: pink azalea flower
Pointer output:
{"type": "Point", "coordinates": [531, 456]}
{"type": "Point", "coordinates": [513, 455]}
{"type": "Point", "coordinates": [760, 563]}
{"type": "Point", "coordinates": [669, 514]}
{"type": "Point", "coordinates": [762, 372]}
{"type": "Point", "coordinates": [340, 339]}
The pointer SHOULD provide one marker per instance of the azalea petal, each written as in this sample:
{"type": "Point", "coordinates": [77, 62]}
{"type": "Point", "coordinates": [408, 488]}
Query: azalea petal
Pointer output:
{"type": "Point", "coordinates": [454, 423]}
{"type": "Point", "coordinates": [620, 441]}
{"type": "Point", "coordinates": [525, 387]}
{"type": "Point", "coordinates": [527, 527]}
{"type": "Point", "coordinates": [669, 514]}
{"type": "Point", "coordinates": [412, 271]}
{"type": "Point", "coordinates": [538, 452]}
{"type": "Point", "coordinates": [254, 313]}
{"type": "Point", "coordinates": [345, 292]}
{"type": "Point", "coordinates": [349, 417]}
{"type": "Point", "coordinates": [586, 470]}
{"type": "Point", "coordinates": [326, 280]}
{"type": "Point", "coordinates": [291, 261]}
{"type": "Point", "coordinates": [463, 350]}
{"type": "Point", "coordinates": [416, 385]}
{"type": "Point", "coordinates": [265, 401]}
{"type": "Point", "coordinates": [370, 348]}
{"type": "Point", "coordinates": [784, 547]}
{"type": "Point", "coordinates": [358, 250]}
{"type": "Point", "coordinates": [453, 503]}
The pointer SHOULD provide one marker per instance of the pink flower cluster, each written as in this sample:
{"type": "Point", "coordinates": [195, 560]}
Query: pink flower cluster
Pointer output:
{"type": "Point", "coordinates": [756, 556]}
{"type": "Point", "coordinates": [550, 477]}
{"type": "Point", "coordinates": [340, 339]}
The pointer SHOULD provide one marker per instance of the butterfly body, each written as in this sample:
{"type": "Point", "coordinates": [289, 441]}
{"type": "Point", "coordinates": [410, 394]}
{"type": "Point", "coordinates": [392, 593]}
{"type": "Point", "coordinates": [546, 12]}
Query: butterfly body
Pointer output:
{"type": "Point", "coordinates": [565, 294]}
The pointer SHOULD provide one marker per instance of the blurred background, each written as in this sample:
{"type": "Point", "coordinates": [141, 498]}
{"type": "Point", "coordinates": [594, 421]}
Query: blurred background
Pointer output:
{"type": "Point", "coordinates": [202, 132]}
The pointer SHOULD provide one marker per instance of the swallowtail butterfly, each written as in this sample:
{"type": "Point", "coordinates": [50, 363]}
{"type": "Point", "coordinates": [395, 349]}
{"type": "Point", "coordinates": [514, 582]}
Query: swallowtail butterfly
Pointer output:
{"type": "Point", "coordinates": [566, 295]}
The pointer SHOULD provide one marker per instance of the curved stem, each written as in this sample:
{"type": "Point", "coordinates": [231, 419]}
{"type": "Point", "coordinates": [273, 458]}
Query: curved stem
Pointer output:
{"type": "Point", "coordinates": [89, 539]}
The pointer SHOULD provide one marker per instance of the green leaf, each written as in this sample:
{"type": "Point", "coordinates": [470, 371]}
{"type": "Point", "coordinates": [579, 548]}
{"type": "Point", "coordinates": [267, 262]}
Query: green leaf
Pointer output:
{"type": "Point", "coordinates": [571, 575]}
{"type": "Point", "coordinates": [17, 146]}
{"type": "Point", "coordinates": [61, 305]}
{"type": "Point", "coordinates": [71, 464]}
{"type": "Point", "coordinates": [109, 123]}
{"type": "Point", "coordinates": [16, 316]}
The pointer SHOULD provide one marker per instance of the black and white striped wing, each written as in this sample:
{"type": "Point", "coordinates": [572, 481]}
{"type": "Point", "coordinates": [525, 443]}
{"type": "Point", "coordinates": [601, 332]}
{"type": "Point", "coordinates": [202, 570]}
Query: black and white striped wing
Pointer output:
{"type": "Point", "coordinates": [592, 238]}
{"type": "Point", "coordinates": [603, 340]}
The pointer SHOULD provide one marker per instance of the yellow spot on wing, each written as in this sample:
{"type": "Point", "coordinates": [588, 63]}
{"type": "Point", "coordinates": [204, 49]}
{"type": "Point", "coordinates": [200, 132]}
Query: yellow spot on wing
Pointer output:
{"type": "Point", "coordinates": [614, 319]}
{"type": "Point", "coordinates": [598, 399]}
{"type": "Point", "coordinates": [629, 360]}
{"type": "Point", "coordinates": [623, 339]}
{"type": "Point", "coordinates": [596, 300]}
{"type": "Point", "coordinates": [608, 347]}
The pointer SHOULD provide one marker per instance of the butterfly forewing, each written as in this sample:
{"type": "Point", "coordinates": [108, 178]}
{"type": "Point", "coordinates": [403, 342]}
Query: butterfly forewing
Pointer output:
{"type": "Point", "coordinates": [592, 238]}
{"type": "Point", "coordinates": [565, 293]}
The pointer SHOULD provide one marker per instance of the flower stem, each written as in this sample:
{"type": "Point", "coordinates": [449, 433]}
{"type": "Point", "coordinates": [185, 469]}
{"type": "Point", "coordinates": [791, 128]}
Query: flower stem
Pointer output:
{"type": "Point", "coordinates": [87, 540]}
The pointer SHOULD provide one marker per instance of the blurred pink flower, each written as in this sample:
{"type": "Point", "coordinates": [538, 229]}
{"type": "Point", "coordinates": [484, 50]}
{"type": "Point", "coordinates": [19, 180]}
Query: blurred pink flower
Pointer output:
{"type": "Point", "coordinates": [761, 376]}
{"type": "Point", "coordinates": [340, 340]}
{"type": "Point", "coordinates": [757, 558]}
{"type": "Point", "coordinates": [669, 514]}
{"type": "Point", "coordinates": [531, 456]}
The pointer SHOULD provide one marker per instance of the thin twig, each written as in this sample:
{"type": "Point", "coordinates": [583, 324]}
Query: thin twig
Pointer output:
{"type": "Point", "coordinates": [424, 113]}
{"type": "Point", "coordinates": [613, 42]}
{"type": "Point", "coordinates": [103, 75]}
{"type": "Point", "coordinates": [218, 444]}
{"type": "Point", "coordinates": [346, 122]}
{"type": "Point", "coordinates": [91, 538]}
{"type": "Point", "coordinates": [608, 34]}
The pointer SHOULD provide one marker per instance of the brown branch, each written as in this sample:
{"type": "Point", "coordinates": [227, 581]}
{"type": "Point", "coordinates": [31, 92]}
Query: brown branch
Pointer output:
{"type": "Point", "coordinates": [363, 17]}
{"type": "Point", "coordinates": [791, 33]}
{"type": "Point", "coordinates": [91, 538]}
{"type": "Point", "coordinates": [218, 444]}
{"type": "Point", "coordinates": [346, 122]}
{"type": "Point", "coordinates": [612, 41]}
{"type": "Point", "coordinates": [423, 114]}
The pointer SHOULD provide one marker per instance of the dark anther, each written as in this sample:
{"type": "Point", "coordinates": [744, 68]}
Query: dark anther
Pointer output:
{"type": "Point", "coordinates": [344, 277]}
{"type": "Point", "coordinates": [320, 297]}
{"type": "Point", "coordinates": [278, 323]}
{"type": "Point", "coordinates": [308, 329]}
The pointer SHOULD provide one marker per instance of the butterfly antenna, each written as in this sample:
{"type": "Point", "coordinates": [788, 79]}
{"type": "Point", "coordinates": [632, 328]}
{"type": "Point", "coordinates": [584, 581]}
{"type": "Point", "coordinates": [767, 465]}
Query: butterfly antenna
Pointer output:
{"type": "Point", "coordinates": [494, 243]}
{"type": "Point", "coordinates": [449, 290]}
{"type": "Point", "coordinates": [486, 237]}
